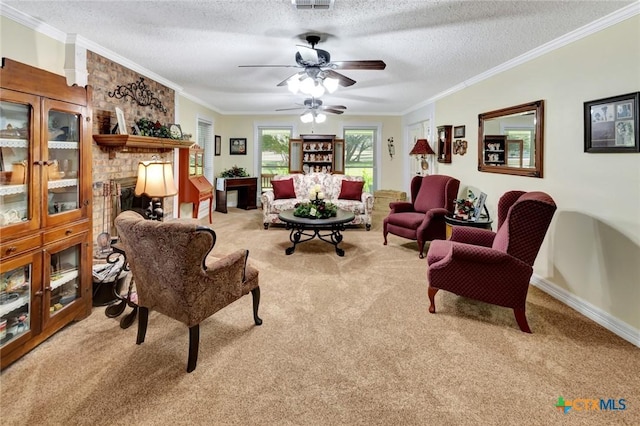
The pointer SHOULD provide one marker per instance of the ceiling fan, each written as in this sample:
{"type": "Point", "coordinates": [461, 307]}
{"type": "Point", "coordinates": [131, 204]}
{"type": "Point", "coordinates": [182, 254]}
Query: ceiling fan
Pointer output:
{"type": "Point", "coordinates": [318, 71]}
{"type": "Point", "coordinates": [315, 110]}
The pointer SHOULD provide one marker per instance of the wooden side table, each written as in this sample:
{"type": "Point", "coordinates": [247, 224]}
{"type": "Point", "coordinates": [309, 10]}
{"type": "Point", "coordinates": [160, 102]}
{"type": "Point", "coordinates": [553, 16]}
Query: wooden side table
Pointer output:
{"type": "Point", "coordinates": [484, 223]}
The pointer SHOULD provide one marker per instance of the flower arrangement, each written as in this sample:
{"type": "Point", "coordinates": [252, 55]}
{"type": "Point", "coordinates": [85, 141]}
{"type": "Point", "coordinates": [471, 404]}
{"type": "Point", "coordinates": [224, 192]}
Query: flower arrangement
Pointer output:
{"type": "Point", "coordinates": [464, 208]}
{"type": "Point", "coordinates": [234, 171]}
{"type": "Point", "coordinates": [317, 208]}
{"type": "Point", "coordinates": [149, 128]}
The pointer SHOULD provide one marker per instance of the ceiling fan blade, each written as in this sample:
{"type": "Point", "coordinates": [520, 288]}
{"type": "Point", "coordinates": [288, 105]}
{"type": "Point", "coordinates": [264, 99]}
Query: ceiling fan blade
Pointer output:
{"type": "Point", "coordinates": [290, 109]}
{"type": "Point", "coordinates": [333, 111]}
{"type": "Point", "coordinates": [284, 82]}
{"type": "Point", "coordinates": [344, 80]}
{"type": "Point", "coordinates": [308, 55]}
{"type": "Point", "coordinates": [335, 106]}
{"type": "Point", "coordinates": [268, 66]}
{"type": "Point", "coordinates": [359, 65]}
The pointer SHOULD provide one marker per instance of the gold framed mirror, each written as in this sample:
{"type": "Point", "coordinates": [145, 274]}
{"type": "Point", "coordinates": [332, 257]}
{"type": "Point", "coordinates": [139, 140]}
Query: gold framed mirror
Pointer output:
{"type": "Point", "coordinates": [511, 140]}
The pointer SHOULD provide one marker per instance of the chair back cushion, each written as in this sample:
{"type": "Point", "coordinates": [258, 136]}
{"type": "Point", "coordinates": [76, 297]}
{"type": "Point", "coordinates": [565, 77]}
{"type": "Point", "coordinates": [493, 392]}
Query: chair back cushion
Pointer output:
{"type": "Point", "coordinates": [435, 191]}
{"type": "Point", "coordinates": [166, 259]}
{"type": "Point", "coordinates": [525, 223]}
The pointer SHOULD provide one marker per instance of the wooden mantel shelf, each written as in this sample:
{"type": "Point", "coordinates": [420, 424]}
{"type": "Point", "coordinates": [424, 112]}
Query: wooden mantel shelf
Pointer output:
{"type": "Point", "coordinates": [133, 141]}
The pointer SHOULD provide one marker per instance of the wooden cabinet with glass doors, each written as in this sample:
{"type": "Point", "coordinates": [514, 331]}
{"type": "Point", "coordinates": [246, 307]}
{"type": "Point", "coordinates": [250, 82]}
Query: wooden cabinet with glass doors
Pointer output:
{"type": "Point", "coordinates": [45, 206]}
{"type": "Point", "coordinates": [316, 153]}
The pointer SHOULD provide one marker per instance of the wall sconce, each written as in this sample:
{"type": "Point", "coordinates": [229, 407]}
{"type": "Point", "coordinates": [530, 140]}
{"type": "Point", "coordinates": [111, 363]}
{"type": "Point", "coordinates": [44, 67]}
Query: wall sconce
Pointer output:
{"type": "Point", "coordinates": [391, 146]}
{"type": "Point", "coordinates": [421, 149]}
{"type": "Point", "coordinates": [155, 180]}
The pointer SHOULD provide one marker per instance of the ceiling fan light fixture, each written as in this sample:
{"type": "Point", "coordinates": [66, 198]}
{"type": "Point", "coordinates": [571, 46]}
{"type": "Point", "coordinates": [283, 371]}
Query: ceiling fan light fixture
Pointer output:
{"type": "Point", "coordinates": [307, 117]}
{"type": "Point", "coordinates": [317, 90]}
{"type": "Point", "coordinates": [331, 84]}
{"type": "Point", "coordinates": [293, 84]}
{"type": "Point", "coordinates": [306, 85]}
{"type": "Point", "coordinates": [321, 118]}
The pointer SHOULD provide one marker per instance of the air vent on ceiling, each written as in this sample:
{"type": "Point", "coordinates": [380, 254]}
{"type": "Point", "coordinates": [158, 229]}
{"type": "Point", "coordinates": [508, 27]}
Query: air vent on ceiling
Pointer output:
{"type": "Point", "coordinates": [312, 4]}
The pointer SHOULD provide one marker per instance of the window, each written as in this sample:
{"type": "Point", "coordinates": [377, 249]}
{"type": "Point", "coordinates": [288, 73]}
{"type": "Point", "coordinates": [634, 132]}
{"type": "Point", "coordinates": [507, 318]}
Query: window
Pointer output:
{"type": "Point", "coordinates": [205, 141]}
{"type": "Point", "coordinates": [360, 154]}
{"type": "Point", "coordinates": [274, 147]}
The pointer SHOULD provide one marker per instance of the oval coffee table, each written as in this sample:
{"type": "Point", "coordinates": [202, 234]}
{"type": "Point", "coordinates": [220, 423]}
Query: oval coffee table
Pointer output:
{"type": "Point", "coordinates": [312, 228]}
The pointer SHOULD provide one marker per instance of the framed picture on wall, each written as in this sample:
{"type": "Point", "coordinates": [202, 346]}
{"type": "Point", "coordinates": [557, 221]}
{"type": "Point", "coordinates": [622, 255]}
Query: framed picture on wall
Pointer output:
{"type": "Point", "coordinates": [218, 145]}
{"type": "Point", "coordinates": [458, 131]}
{"type": "Point", "coordinates": [238, 146]}
{"type": "Point", "coordinates": [612, 124]}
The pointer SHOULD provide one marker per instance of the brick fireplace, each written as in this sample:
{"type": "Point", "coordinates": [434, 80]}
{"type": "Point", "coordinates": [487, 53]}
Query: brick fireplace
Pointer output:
{"type": "Point", "coordinates": [104, 77]}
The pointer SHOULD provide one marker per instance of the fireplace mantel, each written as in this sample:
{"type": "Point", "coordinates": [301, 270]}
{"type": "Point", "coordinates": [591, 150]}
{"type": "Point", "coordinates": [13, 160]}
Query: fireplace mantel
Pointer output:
{"type": "Point", "coordinates": [114, 143]}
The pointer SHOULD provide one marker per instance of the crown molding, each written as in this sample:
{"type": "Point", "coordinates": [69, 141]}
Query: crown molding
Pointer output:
{"type": "Point", "coordinates": [580, 33]}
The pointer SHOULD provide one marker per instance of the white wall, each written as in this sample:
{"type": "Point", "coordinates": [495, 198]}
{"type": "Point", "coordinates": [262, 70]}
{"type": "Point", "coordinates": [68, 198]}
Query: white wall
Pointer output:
{"type": "Point", "coordinates": [592, 249]}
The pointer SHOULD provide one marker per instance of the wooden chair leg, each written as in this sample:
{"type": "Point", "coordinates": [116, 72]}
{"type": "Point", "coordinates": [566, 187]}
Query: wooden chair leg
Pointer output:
{"type": "Point", "coordinates": [521, 319]}
{"type": "Point", "coordinates": [255, 293]}
{"type": "Point", "coordinates": [143, 319]}
{"type": "Point", "coordinates": [194, 343]}
{"type": "Point", "coordinates": [431, 291]}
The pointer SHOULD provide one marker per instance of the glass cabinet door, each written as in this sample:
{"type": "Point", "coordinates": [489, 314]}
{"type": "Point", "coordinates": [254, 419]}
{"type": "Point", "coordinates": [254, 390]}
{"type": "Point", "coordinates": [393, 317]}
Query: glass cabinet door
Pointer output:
{"type": "Point", "coordinates": [192, 164]}
{"type": "Point", "coordinates": [62, 162]}
{"type": "Point", "coordinates": [62, 278]}
{"type": "Point", "coordinates": [19, 282]}
{"type": "Point", "coordinates": [199, 164]}
{"type": "Point", "coordinates": [16, 145]}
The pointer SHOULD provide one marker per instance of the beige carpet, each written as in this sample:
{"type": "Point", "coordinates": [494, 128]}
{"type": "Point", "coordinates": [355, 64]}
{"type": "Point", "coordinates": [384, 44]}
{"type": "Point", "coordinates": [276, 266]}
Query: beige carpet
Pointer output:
{"type": "Point", "coordinates": [345, 340]}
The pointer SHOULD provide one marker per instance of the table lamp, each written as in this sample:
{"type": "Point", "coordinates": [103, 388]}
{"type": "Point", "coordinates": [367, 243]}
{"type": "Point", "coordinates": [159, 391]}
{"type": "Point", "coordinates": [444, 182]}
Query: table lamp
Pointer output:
{"type": "Point", "coordinates": [155, 180]}
{"type": "Point", "coordinates": [421, 149]}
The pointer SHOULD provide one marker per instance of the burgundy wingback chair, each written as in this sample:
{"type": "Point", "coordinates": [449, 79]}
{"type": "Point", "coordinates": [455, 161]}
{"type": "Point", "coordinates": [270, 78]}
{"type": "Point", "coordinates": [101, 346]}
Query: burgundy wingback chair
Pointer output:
{"type": "Point", "coordinates": [494, 267]}
{"type": "Point", "coordinates": [422, 219]}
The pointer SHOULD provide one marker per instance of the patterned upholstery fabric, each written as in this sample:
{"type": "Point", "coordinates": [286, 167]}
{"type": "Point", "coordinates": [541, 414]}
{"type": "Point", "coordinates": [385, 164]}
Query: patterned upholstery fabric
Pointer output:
{"type": "Point", "coordinates": [175, 272]}
{"type": "Point", "coordinates": [423, 219]}
{"type": "Point", "coordinates": [494, 267]}
{"type": "Point", "coordinates": [330, 184]}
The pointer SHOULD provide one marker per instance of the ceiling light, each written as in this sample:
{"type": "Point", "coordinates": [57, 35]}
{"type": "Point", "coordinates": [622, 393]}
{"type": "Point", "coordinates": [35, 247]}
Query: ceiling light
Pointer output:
{"type": "Point", "coordinates": [321, 118]}
{"type": "Point", "coordinates": [317, 90]}
{"type": "Point", "coordinates": [307, 117]}
{"type": "Point", "coordinates": [293, 84]}
{"type": "Point", "coordinates": [331, 84]}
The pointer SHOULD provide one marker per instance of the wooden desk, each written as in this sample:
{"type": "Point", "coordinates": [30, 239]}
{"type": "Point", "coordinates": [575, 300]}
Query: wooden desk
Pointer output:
{"type": "Point", "coordinates": [247, 188]}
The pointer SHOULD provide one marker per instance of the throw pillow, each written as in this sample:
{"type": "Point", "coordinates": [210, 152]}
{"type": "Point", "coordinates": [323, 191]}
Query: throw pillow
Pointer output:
{"type": "Point", "coordinates": [351, 190]}
{"type": "Point", "coordinates": [283, 189]}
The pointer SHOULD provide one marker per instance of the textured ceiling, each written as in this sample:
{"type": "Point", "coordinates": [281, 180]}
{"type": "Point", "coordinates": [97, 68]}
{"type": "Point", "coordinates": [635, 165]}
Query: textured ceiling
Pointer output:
{"type": "Point", "coordinates": [428, 46]}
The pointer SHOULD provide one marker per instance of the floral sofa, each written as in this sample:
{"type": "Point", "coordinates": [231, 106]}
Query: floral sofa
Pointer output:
{"type": "Point", "coordinates": [332, 187]}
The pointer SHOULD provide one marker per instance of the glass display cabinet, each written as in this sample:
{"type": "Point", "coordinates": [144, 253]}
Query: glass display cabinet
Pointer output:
{"type": "Point", "coordinates": [316, 153]}
{"type": "Point", "coordinates": [45, 209]}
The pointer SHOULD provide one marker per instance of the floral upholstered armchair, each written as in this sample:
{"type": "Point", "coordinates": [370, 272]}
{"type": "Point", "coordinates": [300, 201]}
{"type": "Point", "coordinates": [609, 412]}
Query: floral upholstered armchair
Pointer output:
{"type": "Point", "coordinates": [176, 274]}
{"type": "Point", "coordinates": [346, 192]}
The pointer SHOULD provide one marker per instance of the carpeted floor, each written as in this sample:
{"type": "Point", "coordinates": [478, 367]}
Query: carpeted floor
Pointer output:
{"type": "Point", "coordinates": [345, 340]}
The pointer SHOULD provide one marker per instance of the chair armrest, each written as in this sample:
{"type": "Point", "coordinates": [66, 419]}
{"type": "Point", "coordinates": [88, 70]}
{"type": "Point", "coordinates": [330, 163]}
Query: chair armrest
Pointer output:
{"type": "Point", "coordinates": [474, 236]}
{"type": "Point", "coordinates": [482, 255]}
{"type": "Point", "coordinates": [228, 271]}
{"type": "Point", "coordinates": [401, 207]}
{"type": "Point", "coordinates": [440, 211]}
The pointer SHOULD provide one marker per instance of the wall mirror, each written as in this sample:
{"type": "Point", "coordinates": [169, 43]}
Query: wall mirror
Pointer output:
{"type": "Point", "coordinates": [510, 140]}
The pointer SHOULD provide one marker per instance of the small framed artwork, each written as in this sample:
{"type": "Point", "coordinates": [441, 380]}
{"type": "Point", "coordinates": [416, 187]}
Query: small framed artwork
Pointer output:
{"type": "Point", "coordinates": [122, 123]}
{"type": "Point", "coordinates": [175, 131]}
{"type": "Point", "coordinates": [612, 124]}
{"type": "Point", "coordinates": [218, 145]}
{"type": "Point", "coordinates": [238, 146]}
{"type": "Point", "coordinates": [458, 132]}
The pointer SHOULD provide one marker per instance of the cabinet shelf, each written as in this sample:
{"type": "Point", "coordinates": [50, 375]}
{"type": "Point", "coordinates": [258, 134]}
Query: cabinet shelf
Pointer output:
{"type": "Point", "coordinates": [64, 278]}
{"type": "Point", "coordinates": [12, 189]}
{"type": "Point", "coordinates": [134, 141]}
{"type": "Point", "coordinates": [13, 143]}
{"type": "Point", "coordinates": [12, 306]}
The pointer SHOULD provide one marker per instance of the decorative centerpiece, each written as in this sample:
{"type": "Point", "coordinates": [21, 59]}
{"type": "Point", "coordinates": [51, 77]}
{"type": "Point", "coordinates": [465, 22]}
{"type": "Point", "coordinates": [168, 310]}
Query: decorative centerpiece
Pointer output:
{"type": "Point", "coordinates": [464, 208]}
{"type": "Point", "coordinates": [234, 171]}
{"type": "Point", "coordinates": [317, 208]}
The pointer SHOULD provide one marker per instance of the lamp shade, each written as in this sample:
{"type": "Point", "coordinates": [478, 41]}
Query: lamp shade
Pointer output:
{"type": "Point", "coordinates": [422, 147]}
{"type": "Point", "coordinates": [155, 179]}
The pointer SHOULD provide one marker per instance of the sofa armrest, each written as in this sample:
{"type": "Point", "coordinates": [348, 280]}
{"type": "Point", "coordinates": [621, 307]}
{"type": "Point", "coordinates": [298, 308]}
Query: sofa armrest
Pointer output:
{"type": "Point", "coordinates": [367, 201]}
{"type": "Point", "coordinates": [267, 197]}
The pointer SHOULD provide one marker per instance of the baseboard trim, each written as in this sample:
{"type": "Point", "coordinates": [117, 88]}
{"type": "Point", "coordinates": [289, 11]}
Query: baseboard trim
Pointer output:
{"type": "Point", "coordinates": [614, 325]}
